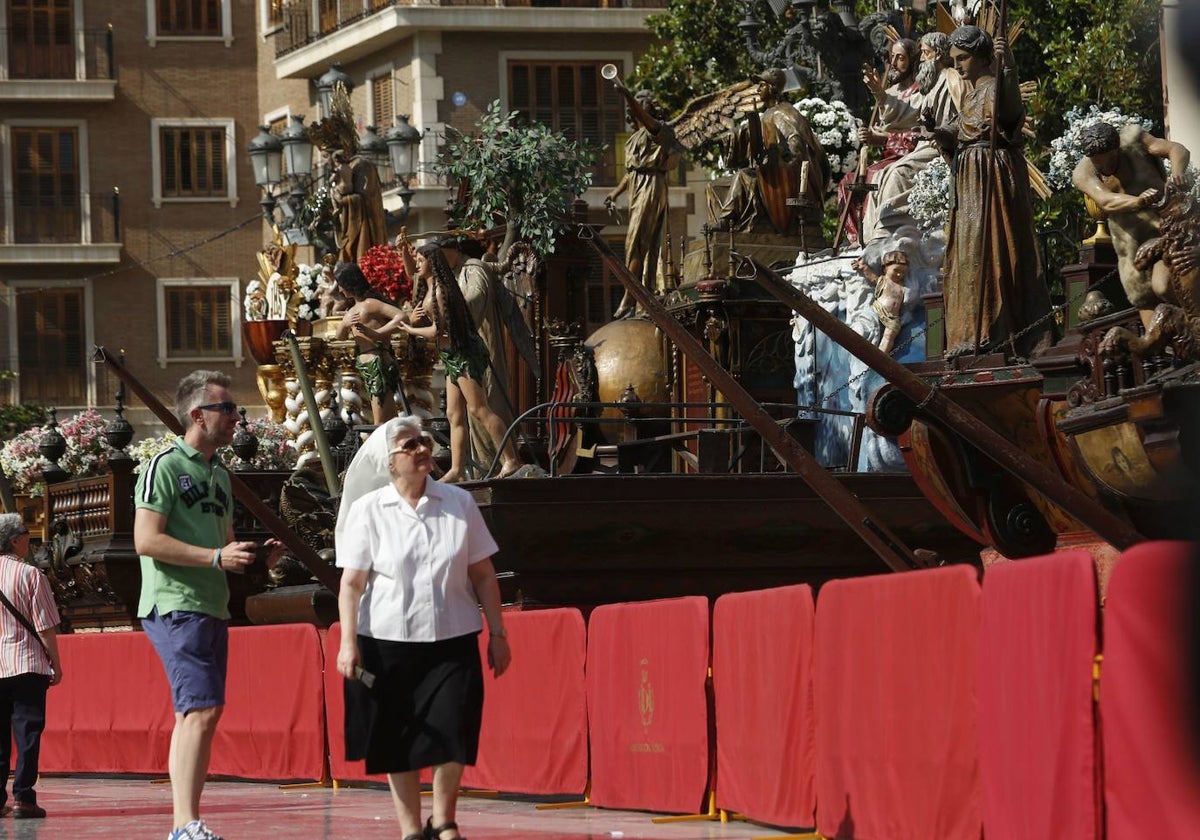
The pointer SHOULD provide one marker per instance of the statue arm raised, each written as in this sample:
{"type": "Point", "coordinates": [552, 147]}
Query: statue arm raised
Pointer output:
{"type": "Point", "coordinates": [1177, 153]}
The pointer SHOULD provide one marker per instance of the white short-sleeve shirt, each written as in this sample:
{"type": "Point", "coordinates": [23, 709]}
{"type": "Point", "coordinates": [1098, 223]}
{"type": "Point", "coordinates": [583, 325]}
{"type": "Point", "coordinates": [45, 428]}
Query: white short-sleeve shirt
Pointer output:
{"type": "Point", "coordinates": [418, 589]}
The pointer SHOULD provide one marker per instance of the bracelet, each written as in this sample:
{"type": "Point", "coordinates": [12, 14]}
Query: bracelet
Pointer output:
{"type": "Point", "coordinates": [498, 634]}
{"type": "Point", "coordinates": [216, 561]}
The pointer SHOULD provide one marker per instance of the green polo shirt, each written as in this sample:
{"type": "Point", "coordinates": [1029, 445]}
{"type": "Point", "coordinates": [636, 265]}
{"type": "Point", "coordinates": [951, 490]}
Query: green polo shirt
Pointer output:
{"type": "Point", "coordinates": [193, 493]}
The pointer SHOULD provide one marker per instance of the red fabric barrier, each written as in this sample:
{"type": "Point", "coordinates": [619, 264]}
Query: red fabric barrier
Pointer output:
{"type": "Point", "coordinates": [112, 711]}
{"type": "Point", "coordinates": [273, 726]}
{"type": "Point", "coordinates": [1037, 730]}
{"type": "Point", "coordinates": [762, 689]}
{"type": "Point", "coordinates": [534, 736]}
{"type": "Point", "coordinates": [647, 665]}
{"type": "Point", "coordinates": [897, 748]}
{"type": "Point", "coordinates": [1151, 783]}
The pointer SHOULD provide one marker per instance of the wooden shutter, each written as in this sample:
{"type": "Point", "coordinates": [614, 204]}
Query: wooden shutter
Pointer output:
{"type": "Point", "coordinates": [193, 162]}
{"type": "Point", "coordinates": [41, 42]}
{"type": "Point", "coordinates": [46, 177]}
{"type": "Point", "coordinates": [50, 342]}
{"type": "Point", "coordinates": [198, 321]}
{"type": "Point", "coordinates": [574, 99]}
{"type": "Point", "coordinates": [190, 18]}
{"type": "Point", "coordinates": [381, 99]}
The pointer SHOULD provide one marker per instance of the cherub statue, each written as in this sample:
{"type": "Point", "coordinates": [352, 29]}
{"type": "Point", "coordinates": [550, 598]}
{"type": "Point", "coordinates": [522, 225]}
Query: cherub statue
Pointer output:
{"type": "Point", "coordinates": [889, 294]}
{"type": "Point", "coordinates": [255, 302]}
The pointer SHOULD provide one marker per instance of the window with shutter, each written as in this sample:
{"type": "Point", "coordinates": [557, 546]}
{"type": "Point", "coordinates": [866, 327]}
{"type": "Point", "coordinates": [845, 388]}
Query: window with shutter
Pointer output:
{"type": "Point", "coordinates": [381, 101]}
{"type": "Point", "coordinates": [192, 162]}
{"type": "Point", "coordinates": [198, 321]}
{"type": "Point", "coordinates": [46, 179]}
{"type": "Point", "coordinates": [41, 41]}
{"type": "Point", "coordinates": [50, 346]}
{"type": "Point", "coordinates": [190, 18]}
{"type": "Point", "coordinates": [573, 98]}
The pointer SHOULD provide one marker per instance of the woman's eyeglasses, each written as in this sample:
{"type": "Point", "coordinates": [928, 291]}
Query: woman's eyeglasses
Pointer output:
{"type": "Point", "coordinates": [410, 444]}
{"type": "Point", "coordinates": [226, 407]}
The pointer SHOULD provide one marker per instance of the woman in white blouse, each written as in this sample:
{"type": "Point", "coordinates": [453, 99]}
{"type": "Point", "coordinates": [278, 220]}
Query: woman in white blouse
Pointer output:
{"type": "Point", "coordinates": [416, 560]}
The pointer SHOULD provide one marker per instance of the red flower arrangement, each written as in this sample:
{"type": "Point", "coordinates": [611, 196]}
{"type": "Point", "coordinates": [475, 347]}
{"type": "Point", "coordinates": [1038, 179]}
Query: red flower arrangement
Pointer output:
{"type": "Point", "coordinates": [383, 267]}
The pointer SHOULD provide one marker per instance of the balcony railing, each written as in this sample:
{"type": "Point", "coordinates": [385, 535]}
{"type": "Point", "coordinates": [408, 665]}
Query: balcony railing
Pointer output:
{"type": "Point", "coordinates": [30, 60]}
{"type": "Point", "coordinates": [60, 220]}
{"type": "Point", "coordinates": [300, 29]}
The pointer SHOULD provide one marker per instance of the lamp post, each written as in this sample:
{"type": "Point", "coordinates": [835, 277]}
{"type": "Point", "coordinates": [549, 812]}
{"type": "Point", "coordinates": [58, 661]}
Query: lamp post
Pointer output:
{"type": "Point", "coordinates": [266, 159]}
{"type": "Point", "coordinates": [402, 140]}
{"type": "Point", "coordinates": [328, 81]}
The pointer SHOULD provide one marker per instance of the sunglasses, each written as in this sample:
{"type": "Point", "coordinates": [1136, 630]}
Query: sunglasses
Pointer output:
{"type": "Point", "coordinates": [410, 445]}
{"type": "Point", "coordinates": [226, 407]}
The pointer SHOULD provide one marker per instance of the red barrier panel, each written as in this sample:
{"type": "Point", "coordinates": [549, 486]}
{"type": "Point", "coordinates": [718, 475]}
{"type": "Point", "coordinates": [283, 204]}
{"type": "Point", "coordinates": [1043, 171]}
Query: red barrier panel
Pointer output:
{"type": "Point", "coordinates": [112, 712]}
{"type": "Point", "coordinates": [897, 748]}
{"type": "Point", "coordinates": [647, 665]}
{"type": "Point", "coordinates": [534, 736]}
{"type": "Point", "coordinates": [1037, 729]}
{"type": "Point", "coordinates": [762, 689]}
{"type": "Point", "coordinates": [1151, 783]}
{"type": "Point", "coordinates": [273, 726]}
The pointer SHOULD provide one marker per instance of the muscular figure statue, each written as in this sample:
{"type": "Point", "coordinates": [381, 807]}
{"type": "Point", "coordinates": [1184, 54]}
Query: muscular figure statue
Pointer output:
{"type": "Point", "coordinates": [1123, 173]}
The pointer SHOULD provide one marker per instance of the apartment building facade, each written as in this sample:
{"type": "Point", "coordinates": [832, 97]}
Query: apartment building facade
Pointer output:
{"type": "Point", "coordinates": [442, 62]}
{"type": "Point", "coordinates": [128, 214]}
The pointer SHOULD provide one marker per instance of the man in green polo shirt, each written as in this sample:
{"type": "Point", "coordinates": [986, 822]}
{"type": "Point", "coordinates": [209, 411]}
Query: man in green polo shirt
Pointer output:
{"type": "Point", "coordinates": [183, 530]}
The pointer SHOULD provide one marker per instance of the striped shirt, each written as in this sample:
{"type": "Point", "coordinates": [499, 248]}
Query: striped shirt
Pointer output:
{"type": "Point", "coordinates": [29, 591]}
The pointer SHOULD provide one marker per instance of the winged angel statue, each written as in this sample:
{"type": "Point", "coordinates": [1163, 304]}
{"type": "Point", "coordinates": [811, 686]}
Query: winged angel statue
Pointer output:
{"type": "Point", "coordinates": [766, 140]}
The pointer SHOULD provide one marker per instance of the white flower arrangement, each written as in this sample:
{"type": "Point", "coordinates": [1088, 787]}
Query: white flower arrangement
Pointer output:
{"type": "Point", "coordinates": [1065, 152]}
{"type": "Point", "coordinates": [308, 291]}
{"type": "Point", "coordinates": [929, 200]}
{"type": "Point", "coordinates": [86, 453]}
{"type": "Point", "coordinates": [836, 129]}
{"type": "Point", "coordinates": [275, 448]}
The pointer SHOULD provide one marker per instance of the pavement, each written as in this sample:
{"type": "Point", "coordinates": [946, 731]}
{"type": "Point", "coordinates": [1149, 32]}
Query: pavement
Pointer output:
{"type": "Point", "coordinates": [92, 807]}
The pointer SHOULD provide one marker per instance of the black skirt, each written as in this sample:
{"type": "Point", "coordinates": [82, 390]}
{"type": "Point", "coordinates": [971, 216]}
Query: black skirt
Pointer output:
{"type": "Point", "coordinates": [425, 708]}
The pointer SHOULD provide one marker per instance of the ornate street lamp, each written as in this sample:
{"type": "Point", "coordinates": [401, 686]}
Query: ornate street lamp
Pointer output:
{"type": "Point", "coordinates": [297, 148]}
{"type": "Point", "coordinates": [402, 141]}
{"type": "Point", "coordinates": [266, 159]}
{"type": "Point", "coordinates": [327, 82]}
{"type": "Point", "coordinates": [375, 149]}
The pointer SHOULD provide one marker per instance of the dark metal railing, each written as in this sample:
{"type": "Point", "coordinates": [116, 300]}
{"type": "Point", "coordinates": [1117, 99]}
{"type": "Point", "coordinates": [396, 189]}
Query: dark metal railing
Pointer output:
{"type": "Point", "coordinates": [30, 58]}
{"type": "Point", "coordinates": [300, 29]}
{"type": "Point", "coordinates": [60, 219]}
{"type": "Point", "coordinates": [670, 424]}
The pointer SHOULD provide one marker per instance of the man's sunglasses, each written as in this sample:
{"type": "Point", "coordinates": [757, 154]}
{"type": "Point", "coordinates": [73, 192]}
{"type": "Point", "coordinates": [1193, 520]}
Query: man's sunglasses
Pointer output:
{"type": "Point", "coordinates": [226, 407]}
{"type": "Point", "coordinates": [411, 444]}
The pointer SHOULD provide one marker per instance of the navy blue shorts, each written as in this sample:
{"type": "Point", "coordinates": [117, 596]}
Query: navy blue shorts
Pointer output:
{"type": "Point", "coordinates": [194, 649]}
